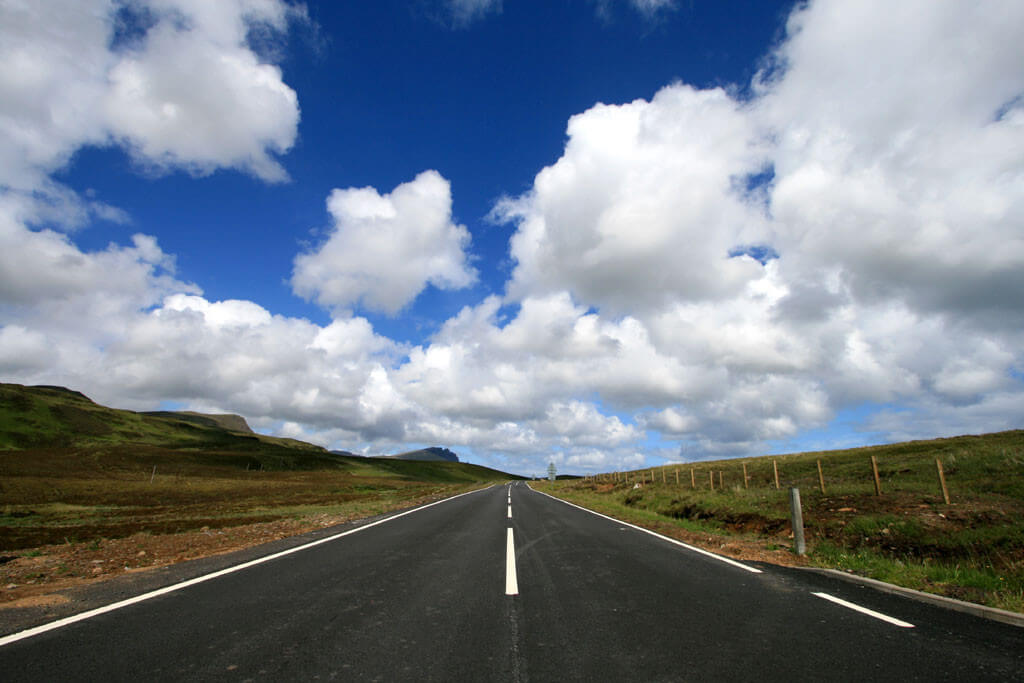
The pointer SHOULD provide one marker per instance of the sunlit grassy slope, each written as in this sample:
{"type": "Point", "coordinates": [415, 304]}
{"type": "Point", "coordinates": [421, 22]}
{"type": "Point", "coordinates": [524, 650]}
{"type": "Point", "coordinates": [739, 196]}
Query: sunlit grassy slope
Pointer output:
{"type": "Point", "coordinates": [971, 548]}
{"type": "Point", "coordinates": [73, 469]}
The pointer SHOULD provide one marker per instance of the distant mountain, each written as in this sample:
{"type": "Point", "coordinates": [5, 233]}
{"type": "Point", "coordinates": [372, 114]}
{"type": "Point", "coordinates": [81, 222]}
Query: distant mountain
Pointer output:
{"type": "Point", "coordinates": [433, 454]}
{"type": "Point", "coordinates": [230, 422]}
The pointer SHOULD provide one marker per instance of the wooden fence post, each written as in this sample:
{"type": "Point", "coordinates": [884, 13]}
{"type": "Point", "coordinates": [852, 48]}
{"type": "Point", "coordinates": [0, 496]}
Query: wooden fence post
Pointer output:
{"type": "Point", "coordinates": [874, 470]}
{"type": "Point", "coordinates": [821, 479]}
{"type": "Point", "coordinates": [775, 468]}
{"type": "Point", "coordinates": [693, 479]}
{"type": "Point", "coordinates": [711, 478]}
{"type": "Point", "coordinates": [663, 476]}
{"type": "Point", "coordinates": [721, 485]}
{"type": "Point", "coordinates": [746, 479]}
{"type": "Point", "coordinates": [677, 476]}
{"type": "Point", "coordinates": [942, 481]}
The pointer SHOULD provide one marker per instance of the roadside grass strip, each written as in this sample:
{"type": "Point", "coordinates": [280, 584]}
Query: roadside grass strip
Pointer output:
{"type": "Point", "coordinates": [864, 610]}
{"type": "Point", "coordinates": [28, 633]}
{"type": "Point", "coordinates": [695, 549]}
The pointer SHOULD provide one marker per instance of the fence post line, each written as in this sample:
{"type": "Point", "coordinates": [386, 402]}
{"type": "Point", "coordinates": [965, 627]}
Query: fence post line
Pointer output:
{"type": "Point", "coordinates": [797, 516]}
{"type": "Point", "coordinates": [942, 481]}
{"type": "Point", "coordinates": [874, 471]}
{"type": "Point", "coordinates": [821, 479]}
{"type": "Point", "coordinates": [775, 468]}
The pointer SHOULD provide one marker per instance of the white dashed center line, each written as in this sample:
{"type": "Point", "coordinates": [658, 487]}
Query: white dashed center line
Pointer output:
{"type": "Point", "coordinates": [511, 583]}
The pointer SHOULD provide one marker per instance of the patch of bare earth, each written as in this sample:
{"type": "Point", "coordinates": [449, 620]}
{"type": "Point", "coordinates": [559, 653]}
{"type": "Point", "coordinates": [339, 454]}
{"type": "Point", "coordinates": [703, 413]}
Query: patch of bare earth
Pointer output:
{"type": "Point", "coordinates": [34, 577]}
{"type": "Point", "coordinates": [736, 547]}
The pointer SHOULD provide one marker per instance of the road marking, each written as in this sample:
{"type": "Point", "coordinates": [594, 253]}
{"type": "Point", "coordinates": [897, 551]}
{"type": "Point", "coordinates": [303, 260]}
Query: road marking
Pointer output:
{"type": "Point", "coordinates": [53, 625]}
{"type": "Point", "coordinates": [511, 584]}
{"type": "Point", "coordinates": [864, 610]}
{"type": "Point", "coordinates": [695, 549]}
{"type": "Point", "coordinates": [510, 510]}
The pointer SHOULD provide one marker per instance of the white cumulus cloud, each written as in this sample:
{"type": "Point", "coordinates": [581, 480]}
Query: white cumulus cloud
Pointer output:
{"type": "Point", "coordinates": [187, 91]}
{"type": "Point", "coordinates": [383, 250]}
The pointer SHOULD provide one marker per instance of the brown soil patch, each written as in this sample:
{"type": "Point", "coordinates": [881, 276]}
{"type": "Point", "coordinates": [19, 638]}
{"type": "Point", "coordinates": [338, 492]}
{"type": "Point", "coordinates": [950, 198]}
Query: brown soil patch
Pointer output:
{"type": "Point", "coordinates": [35, 601]}
{"type": "Point", "coordinates": [738, 548]}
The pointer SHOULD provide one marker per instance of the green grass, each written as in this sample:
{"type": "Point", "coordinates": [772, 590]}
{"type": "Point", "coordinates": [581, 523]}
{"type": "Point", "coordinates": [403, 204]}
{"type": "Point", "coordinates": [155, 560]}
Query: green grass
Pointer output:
{"type": "Point", "coordinates": [72, 469]}
{"type": "Point", "coordinates": [971, 549]}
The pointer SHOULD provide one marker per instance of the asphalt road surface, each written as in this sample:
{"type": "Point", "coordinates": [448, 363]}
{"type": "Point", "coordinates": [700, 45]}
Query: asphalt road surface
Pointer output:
{"type": "Point", "coordinates": [435, 595]}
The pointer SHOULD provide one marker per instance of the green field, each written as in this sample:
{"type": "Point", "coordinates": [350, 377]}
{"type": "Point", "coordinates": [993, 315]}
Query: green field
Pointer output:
{"type": "Point", "coordinates": [72, 470]}
{"type": "Point", "coordinates": [972, 548]}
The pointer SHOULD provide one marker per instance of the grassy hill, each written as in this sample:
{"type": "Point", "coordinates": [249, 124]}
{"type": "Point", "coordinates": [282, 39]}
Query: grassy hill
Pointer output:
{"type": "Point", "coordinates": [73, 469]}
{"type": "Point", "coordinates": [54, 417]}
{"type": "Point", "coordinates": [971, 548]}
{"type": "Point", "coordinates": [433, 454]}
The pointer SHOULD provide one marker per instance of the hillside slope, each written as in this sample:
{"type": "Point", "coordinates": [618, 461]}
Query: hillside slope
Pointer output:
{"type": "Point", "coordinates": [432, 454]}
{"type": "Point", "coordinates": [61, 425]}
{"type": "Point", "coordinates": [73, 469]}
{"type": "Point", "coordinates": [232, 423]}
{"type": "Point", "coordinates": [901, 529]}
{"type": "Point", "coordinates": [55, 417]}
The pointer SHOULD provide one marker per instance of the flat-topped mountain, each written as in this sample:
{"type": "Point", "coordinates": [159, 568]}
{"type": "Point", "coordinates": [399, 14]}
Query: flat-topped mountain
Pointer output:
{"type": "Point", "coordinates": [432, 454]}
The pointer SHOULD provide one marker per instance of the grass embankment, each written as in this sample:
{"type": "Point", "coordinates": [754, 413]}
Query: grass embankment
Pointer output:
{"type": "Point", "coordinates": [971, 549]}
{"type": "Point", "coordinates": [72, 471]}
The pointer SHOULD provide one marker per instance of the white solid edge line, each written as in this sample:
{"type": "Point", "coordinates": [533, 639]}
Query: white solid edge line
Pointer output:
{"type": "Point", "coordinates": [511, 583]}
{"type": "Point", "coordinates": [864, 610]}
{"type": "Point", "coordinates": [82, 616]}
{"type": "Point", "coordinates": [752, 570]}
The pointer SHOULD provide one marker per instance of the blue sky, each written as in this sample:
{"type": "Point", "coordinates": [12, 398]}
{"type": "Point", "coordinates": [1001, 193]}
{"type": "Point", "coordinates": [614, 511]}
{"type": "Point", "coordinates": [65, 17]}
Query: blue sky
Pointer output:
{"type": "Point", "coordinates": [606, 233]}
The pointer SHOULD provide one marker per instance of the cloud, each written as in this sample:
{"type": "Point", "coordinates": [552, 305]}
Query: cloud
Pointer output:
{"type": "Point", "coordinates": [882, 180]}
{"type": "Point", "coordinates": [914, 170]}
{"type": "Point", "coordinates": [649, 9]}
{"type": "Point", "coordinates": [652, 7]}
{"type": "Point", "coordinates": [188, 101]}
{"type": "Point", "coordinates": [383, 250]}
{"type": "Point", "coordinates": [643, 207]}
{"type": "Point", "coordinates": [465, 12]}
{"type": "Point", "coordinates": [181, 89]}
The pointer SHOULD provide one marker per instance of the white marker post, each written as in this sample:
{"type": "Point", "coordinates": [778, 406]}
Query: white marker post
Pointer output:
{"type": "Point", "coordinates": [797, 515]}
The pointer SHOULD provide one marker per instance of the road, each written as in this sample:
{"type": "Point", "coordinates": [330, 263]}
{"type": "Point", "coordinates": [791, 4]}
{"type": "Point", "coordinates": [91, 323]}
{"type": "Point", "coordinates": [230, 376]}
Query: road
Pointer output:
{"type": "Point", "coordinates": [434, 595]}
